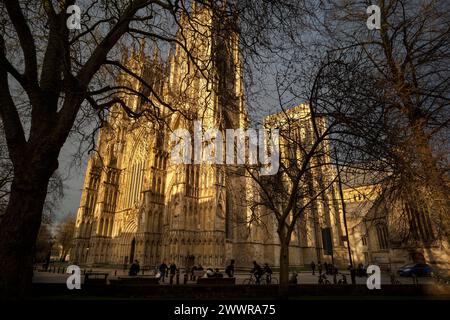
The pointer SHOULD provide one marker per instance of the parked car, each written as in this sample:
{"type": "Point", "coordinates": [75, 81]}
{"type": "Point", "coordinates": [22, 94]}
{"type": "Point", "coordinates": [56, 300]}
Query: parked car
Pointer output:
{"type": "Point", "coordinates": [418, 269]}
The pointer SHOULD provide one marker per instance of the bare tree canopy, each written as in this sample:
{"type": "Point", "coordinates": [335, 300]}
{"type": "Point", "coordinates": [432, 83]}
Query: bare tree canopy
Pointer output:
{"type": "Point", "coordinates": [380, 98]}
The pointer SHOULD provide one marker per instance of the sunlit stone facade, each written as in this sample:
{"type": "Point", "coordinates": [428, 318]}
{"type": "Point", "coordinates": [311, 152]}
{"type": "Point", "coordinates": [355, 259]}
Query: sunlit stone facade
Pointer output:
{"type": "Point", "coordinates": [137, 204]}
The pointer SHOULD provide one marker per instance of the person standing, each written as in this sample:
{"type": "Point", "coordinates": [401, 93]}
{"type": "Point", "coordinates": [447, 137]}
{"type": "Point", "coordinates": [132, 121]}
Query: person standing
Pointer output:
{"type": "Point", "coordinates": [194, 268]}
{"type": "Point", "coordinates": [178, 275]}
{"type": "Point", "coordinates": [268, 272]}
{"type": "Point", "coordinates": [172, 271]}
{"type": "Point", "coordinates": [335, 272]}
{"type": "Point", "coordinates": [163, 270]}
{"type": "Point", "coordinates": [313, 267]}
{"type": "Point", "coordinates": [319, 268]}
{"type": "Point", "coordinates": [134, 268]}
{"type": "Point", "coordinates": [257, 272]}
{"type": "Point", "coordinates": [230, 269]}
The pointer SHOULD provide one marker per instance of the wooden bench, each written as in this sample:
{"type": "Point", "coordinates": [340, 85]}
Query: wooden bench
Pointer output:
{"type": "Point", "coordinates": [216, 281]}
{"type": "Point", "coordinates": [96, 278]}
{"type": "Point", "coordinates": [135, 281]}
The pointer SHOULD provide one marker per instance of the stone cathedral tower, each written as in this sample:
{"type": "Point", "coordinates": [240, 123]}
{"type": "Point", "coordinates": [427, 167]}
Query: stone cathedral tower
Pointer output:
{"type": "Point", "coordinates": [136, 203]}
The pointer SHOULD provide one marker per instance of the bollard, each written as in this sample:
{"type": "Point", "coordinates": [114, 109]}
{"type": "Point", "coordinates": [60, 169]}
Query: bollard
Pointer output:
{"type": "Point", "coordinates": [115, 273]}
{"type": "Point", "coordinates": [185, 278]}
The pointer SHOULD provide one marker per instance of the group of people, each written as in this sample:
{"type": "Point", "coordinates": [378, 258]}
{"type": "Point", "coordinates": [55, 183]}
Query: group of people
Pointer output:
{"type": "Point", "coordinates": [329, 268]}
{"type": "Point", "coordinates": [171, 270]}
{"type": "Point", "coordinates": [258, 272]}
{"type": "Point", "coordinates": [167, 270]}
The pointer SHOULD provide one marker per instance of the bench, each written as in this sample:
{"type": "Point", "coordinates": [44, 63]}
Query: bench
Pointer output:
{"type": "Point", "coordinates": [96, 278]}
{"type": "Point", "coordinates": [216, 281]}
{"type": "Point", "coordinates": [135, 281]}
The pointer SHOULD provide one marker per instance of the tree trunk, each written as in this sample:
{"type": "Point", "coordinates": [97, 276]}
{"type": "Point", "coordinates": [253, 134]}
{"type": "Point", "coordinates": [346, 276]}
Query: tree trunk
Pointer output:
{"type": "Point", "coordinates": [284, 269]}
{"type": "Point", "coordinates": [19, 227]}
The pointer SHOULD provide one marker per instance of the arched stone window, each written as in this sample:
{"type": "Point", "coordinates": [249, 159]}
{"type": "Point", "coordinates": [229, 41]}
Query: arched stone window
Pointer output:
{"type": "Point", "coordinates": [382, 236]}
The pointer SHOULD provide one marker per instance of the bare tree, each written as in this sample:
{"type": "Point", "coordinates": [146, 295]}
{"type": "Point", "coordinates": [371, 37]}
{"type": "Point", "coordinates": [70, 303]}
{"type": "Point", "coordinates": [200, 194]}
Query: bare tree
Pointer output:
{"type": "Point", "coordinates": [55, 191]}
{"type": "Point", "coordinates": [389, 88]}
{"type": "Point", "coordinates": [306, 180]}
{"type": "Point", "coordinates": [406, 63]}
{"type": "Point", "coordinates": [51, 73]}
{"type": "Point", "coordinates": [64, 235]}
{"type": "Point", "coordinates": [61, 77]}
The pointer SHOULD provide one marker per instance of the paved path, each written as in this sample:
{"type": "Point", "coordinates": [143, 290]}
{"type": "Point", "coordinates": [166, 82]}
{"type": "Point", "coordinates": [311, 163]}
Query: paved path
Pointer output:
{"type": "Point", "coordinates": [303, 277]}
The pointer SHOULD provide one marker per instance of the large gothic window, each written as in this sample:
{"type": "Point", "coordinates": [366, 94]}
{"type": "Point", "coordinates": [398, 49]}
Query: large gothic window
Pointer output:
{"type": "Point", "coordinates": [136, 181]}
{"type": "Point", "coordinates": [420, 223]}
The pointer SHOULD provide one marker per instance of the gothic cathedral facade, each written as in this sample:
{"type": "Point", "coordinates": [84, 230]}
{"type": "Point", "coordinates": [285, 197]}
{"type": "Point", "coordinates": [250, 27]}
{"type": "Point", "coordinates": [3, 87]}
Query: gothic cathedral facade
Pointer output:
{"type": "Point", "coordinates": [137, 204]}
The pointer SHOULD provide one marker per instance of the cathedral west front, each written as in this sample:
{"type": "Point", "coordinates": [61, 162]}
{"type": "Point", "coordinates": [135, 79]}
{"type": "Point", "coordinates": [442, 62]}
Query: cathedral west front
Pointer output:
{"type": "Point", "coordinates": [137, 204]}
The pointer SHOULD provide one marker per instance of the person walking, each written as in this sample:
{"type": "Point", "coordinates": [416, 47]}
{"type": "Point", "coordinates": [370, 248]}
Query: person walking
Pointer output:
{"type": "Point", "coordinates": [313, 267]}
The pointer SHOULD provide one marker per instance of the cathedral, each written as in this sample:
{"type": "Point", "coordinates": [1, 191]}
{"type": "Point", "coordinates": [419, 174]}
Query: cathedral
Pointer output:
{"type": "Point", "coordinates": [137, 204]}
